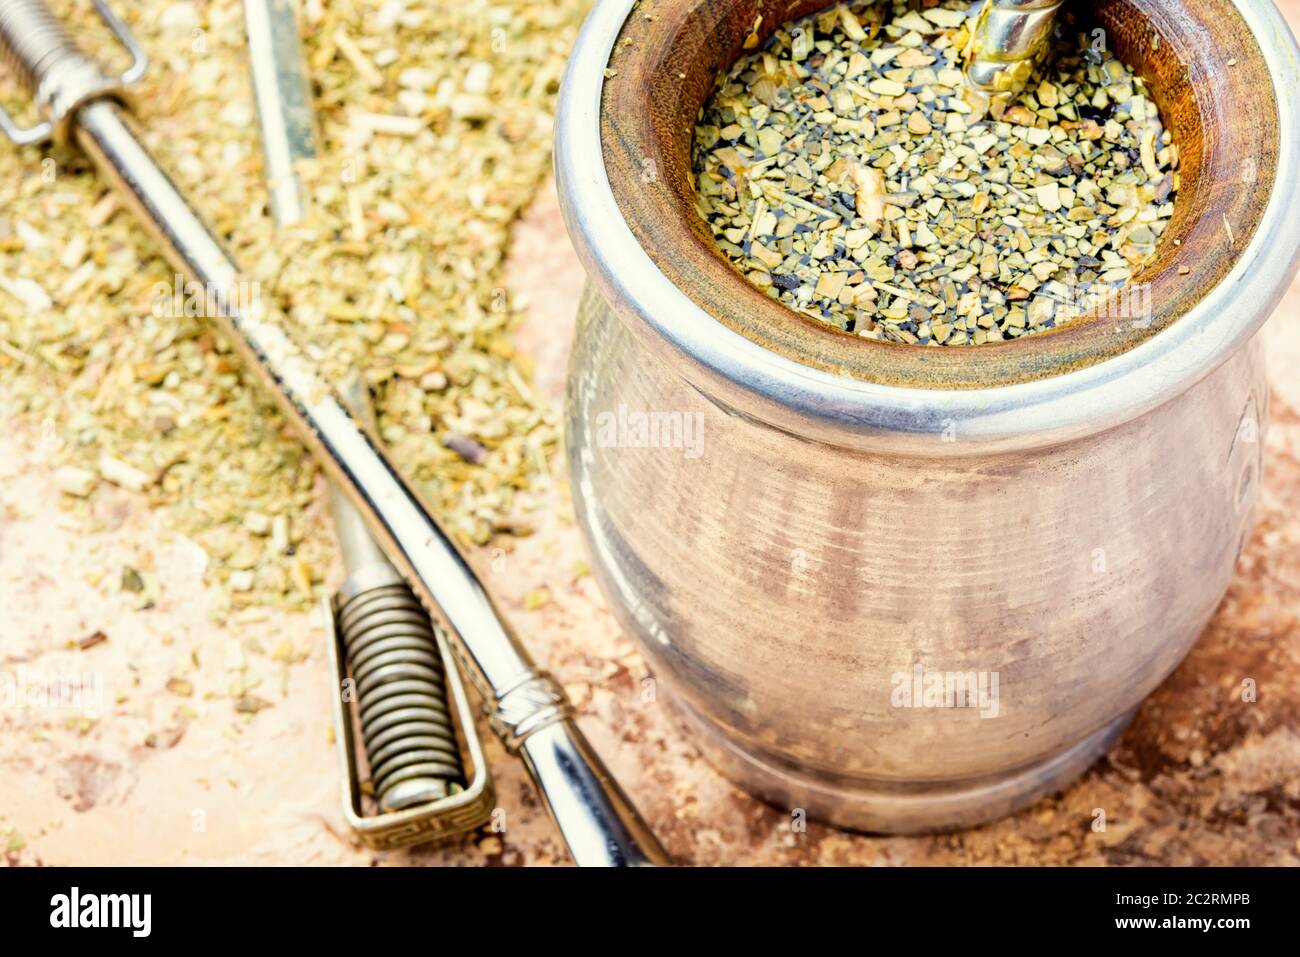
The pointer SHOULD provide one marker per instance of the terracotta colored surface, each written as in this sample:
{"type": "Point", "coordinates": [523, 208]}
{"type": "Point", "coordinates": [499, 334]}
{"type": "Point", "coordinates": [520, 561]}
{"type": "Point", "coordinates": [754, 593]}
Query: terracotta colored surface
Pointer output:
{"type": "Point", "coordinates": [1201, 777]}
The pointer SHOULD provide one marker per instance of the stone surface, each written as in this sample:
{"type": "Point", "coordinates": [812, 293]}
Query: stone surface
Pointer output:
{"type": "Point", "coordinates": [158, 776]}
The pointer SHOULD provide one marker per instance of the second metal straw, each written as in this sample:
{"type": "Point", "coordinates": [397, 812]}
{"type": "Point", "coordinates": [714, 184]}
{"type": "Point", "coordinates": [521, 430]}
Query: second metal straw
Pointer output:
{"type": "Point", "coordinates": [407, 724]}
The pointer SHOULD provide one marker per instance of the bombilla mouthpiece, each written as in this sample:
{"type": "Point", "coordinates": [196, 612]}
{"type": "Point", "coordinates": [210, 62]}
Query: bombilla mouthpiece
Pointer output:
{"type": "Point", "coordinates": [1008, 39]}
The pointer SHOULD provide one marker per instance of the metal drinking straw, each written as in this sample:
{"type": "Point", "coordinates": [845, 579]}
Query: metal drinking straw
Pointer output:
{"type": "Point", "coordinates": [527, 709]}
{"type": "Point", "coordinates": [409, 701]}
{"type": "Point", "coordinates": [1008, 38]}
{"type": "Point", "coordinates": [284, 107]}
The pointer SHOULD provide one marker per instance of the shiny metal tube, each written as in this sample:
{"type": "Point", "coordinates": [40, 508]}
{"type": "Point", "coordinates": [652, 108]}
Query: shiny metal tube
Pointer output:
{"type": "Point", "coordinates": [591, 810]}
{"type": "Point", "coordinates": [596, 817]}
{"type": "Point", "coordinates": [1008, 37]}
{"type": "Point", "coordinates": [283, 97]}
{"type": "Point", "coordinates": [392, 652]}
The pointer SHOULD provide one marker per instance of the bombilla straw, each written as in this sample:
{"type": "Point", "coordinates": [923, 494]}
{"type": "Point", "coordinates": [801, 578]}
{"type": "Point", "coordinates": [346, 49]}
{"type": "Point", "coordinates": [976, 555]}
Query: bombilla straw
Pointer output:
{"type": "Point", "coordinates": [527, 709]}
{"type": "Point", "coordinates": [282, 93]}
{"type": "Point", "coordinates": [390, 649]}
{"type": "Point", "coordinates": [1008, 38]}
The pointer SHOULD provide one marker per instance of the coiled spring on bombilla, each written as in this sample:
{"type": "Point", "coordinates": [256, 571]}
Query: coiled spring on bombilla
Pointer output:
{"type": "Point", "coordinates": [32, 39]}
{"type": "Point", "coordinates": [406, 724]}
{"type": "Point", "coordinates": [46, 59]}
